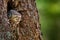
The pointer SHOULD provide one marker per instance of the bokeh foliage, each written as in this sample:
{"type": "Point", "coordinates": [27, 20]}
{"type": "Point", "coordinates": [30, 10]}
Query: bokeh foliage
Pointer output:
{"type": "Point", "coordinates": [49, 11]}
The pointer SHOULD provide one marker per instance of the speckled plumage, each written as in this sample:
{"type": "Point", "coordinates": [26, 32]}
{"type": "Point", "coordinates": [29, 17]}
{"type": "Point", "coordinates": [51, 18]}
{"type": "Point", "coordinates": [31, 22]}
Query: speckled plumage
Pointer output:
{"type": "Point", "coordinates": [14, 16]}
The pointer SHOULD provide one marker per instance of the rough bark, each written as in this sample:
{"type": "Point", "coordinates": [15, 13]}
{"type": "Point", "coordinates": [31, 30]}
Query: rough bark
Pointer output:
{"type": "Point", "coordinates": [28, 28]}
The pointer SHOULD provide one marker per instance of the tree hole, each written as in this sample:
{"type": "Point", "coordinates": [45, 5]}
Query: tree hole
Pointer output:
{"type": "Point", "coordinates": [9, 6]}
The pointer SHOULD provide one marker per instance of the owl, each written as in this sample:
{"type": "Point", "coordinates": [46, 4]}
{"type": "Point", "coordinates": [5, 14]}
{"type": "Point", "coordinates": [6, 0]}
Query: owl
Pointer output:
{"type": "Point", "coordinates": [14, 17]}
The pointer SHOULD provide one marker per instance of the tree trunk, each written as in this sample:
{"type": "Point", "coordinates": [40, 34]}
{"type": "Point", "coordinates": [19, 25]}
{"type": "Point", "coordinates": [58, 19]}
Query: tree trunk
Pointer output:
{"type": "Point", "coordinates": [28, 28]}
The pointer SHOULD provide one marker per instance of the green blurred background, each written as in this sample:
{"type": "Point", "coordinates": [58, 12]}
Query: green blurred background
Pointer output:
{"type": "Point", "coordinates": [49, 12]}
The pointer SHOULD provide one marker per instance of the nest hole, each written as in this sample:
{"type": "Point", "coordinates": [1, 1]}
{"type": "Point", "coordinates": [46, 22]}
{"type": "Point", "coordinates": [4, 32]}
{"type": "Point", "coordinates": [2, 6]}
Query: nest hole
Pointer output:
{"type": "Point", "coordinates": [9, 6]}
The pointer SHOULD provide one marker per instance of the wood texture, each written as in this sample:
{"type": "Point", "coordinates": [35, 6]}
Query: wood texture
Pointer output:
{"type": "Point", "coordinates": [28, 28]}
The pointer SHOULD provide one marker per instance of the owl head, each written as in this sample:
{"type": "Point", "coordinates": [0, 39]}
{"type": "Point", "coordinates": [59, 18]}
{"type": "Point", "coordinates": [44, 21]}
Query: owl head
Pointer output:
{"type": "Point", "coordinates": [14, 16]}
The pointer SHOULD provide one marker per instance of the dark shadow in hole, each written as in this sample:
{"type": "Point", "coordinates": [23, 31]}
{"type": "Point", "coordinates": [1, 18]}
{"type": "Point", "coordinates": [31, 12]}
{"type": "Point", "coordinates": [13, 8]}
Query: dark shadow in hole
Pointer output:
{"type": "Point", "coordinates": [9, 6]}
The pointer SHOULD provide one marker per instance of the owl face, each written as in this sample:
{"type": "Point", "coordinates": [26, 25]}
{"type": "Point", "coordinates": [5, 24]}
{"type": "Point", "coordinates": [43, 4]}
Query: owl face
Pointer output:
{"type": "Point", "coordinates": [16, 19]}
